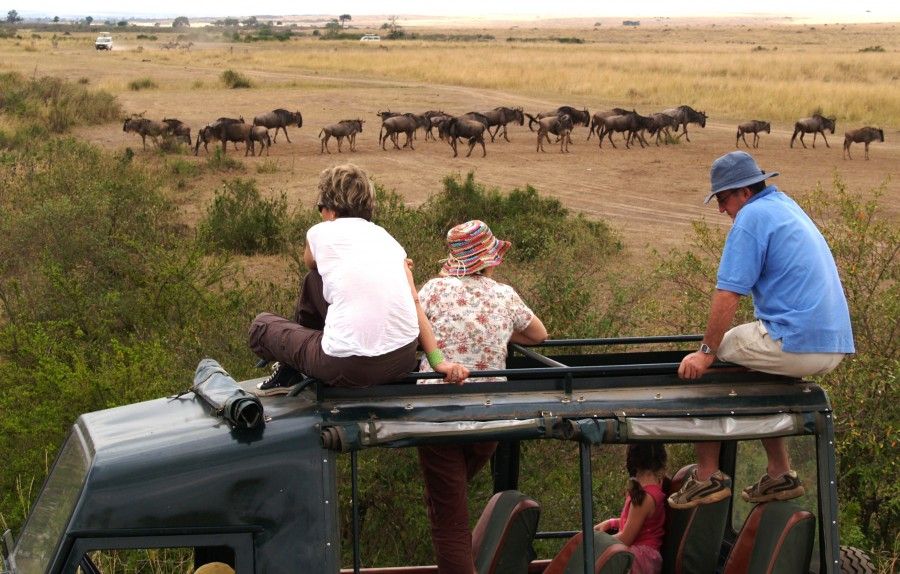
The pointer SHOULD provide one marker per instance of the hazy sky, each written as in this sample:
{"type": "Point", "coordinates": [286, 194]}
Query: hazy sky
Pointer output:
{"type": "Point", "coordinates": [846, 11]}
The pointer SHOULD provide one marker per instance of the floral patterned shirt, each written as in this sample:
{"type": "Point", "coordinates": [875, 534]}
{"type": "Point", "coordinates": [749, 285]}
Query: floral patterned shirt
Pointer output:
{"type": "Point", "coordinates": [473, 318]}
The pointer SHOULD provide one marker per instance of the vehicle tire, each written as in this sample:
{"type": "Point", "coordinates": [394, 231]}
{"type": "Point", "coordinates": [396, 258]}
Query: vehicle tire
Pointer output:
{"type": "Point", "coordinates": [855, 561]}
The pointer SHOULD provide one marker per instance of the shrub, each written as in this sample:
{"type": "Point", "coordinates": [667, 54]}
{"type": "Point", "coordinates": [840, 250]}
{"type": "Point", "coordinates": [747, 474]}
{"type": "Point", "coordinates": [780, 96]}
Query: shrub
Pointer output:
{"type": "Point", "coordinates": [141, 84]}
{"type": "Point", "coordinates": [219, 161]}
{"type": "Point", "coordinates": [102, 301]}
{"type": "Point", "coordinates": [872, 49]}
{"type": "Point", "coordinates": [55, 103]}
{"type": "Point", "coordinates": [267, 166]}
{"type": "Point", "coordinates": [235, 80]}
{"type": "Point", "coordinates": [240, 220]}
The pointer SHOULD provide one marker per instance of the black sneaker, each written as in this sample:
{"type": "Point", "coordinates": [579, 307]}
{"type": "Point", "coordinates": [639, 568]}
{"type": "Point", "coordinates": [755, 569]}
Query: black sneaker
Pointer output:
{"type": "Point", "coordinates": [281, 380]}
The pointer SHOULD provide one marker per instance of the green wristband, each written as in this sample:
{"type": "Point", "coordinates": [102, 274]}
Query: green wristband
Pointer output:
{"type": "Point", "coordinates": [435, 358]}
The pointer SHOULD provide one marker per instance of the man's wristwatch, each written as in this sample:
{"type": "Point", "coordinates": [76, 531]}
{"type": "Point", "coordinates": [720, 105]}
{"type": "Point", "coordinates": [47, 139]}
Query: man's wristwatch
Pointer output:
{"type": "Point", "coordinates": [704, 348]}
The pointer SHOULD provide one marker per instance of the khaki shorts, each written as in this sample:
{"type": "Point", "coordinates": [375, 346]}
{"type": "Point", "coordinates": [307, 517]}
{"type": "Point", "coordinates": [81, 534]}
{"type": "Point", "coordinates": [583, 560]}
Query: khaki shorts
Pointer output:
{"type": "Point", "coordinates": [749, 345]}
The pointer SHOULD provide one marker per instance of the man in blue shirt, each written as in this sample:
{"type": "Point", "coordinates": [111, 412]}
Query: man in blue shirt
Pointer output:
{"type": "Point", "coordinates": [775, 253]}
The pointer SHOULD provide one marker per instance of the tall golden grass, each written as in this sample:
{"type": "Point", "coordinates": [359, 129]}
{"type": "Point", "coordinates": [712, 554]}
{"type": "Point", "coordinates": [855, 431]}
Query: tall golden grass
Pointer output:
{"type": "Point", "coordinates": [779, 73]}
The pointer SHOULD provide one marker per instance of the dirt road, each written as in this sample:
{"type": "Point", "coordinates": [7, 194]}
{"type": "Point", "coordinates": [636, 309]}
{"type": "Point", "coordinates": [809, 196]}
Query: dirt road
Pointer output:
{"type": "Point", "coordinates": [649, 195]}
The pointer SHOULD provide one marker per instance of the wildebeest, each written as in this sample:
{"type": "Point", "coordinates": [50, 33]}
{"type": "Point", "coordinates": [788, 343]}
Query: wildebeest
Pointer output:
{"type": "Point", "coordinates": [560, 126]}
{"type": "Point", "coordinates": [145, 128]}
{"type": "Point", "coordinates": [179, 129]}
{"type": "Point", "coordinates": [660, 124]}
{"type": "Point", "coordinates": [435, 117]}
{"type": "Point", "coordinates": [815, 125]}
{"type": "Point", "coordinates": [499, 117]}
{"type": "Point", "coordinates": [597, 120]}
{"type": "Point", "coordinates": [685, 115]}
{"type": "Point", "coordinates": [279, 119]}
{"type": "Point", "coordinates": [864, 135]}
{"type": "Point", "coordinates": [342, 129]}
{"type": "Point", "coordinates": [751, 127]}
{"type": "Point", "coordinates": [258, 134]}
{"type": "Point", "coordinates": [406, 123]}
{"type": "Point", "coordinates": [210, 133]}
{"type": "Point", "coordinates": [462, 127]}
{"type": "Point", "coordinates": [236, 132]}
{"type": "Point", "coordinates": [628, 124]}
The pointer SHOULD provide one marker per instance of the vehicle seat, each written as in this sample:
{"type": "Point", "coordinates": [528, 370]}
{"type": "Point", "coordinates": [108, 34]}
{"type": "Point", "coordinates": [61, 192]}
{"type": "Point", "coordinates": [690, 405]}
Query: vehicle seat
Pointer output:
{"type": "Point", "coordinates": [501, 541]}
{"type": "Point", "coordinates": [694, 535]}
{"type": "Point", "coordinates": [777, 538]}
{"type": "Point", "coordinates": [610, 556]}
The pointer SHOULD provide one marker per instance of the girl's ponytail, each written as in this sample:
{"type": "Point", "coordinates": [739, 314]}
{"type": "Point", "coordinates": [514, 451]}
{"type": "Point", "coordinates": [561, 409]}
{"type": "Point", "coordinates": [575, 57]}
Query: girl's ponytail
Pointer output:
{"type": "Point", "coordinates": [636, 491]}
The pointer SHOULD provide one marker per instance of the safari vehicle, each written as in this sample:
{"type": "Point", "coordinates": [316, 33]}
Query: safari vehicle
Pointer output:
{"type": "Point", "coordinates": [253, 481]}
{"type": "Point", "coordinates": [104, 41]}
{"type": "Point", "coordinates": [370, 38]}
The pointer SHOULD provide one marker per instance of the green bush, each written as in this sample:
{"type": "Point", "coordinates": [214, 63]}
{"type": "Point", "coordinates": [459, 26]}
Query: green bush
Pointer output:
{"type": "Point", "coordinates": [219, 161]}
{"type": "Point", "coordinates": [103, 301]}
{"type": "Point", "coordinates": [866, 245]}
{"type": "Point", "coordinates": [141, 84]}
{"type": "Point", "coordinates": [240, 220]}
{"type": "Point", "coordinates": [234, 79]}
{"type": "Point", "coordinates": [55, 104]}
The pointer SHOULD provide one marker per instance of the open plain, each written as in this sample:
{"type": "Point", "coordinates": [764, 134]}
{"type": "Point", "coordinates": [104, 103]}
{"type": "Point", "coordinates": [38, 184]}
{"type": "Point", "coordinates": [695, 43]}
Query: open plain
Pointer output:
{"type": "Point", "coordinates": [734, 72]}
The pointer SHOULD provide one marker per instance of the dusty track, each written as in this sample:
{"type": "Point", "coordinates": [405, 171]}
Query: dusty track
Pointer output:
{"type": "Point", "coordinates": [649, 195]}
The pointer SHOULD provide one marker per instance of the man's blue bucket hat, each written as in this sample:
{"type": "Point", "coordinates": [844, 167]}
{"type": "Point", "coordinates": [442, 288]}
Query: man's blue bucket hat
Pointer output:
{"type": "Point", "coordinates": [733, 171]}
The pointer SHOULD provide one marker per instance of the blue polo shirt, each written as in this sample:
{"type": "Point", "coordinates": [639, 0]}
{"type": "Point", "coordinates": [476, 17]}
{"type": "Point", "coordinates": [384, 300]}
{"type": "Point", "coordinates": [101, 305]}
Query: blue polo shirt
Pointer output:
{"type": "Point", "coordinates": [775, 252]}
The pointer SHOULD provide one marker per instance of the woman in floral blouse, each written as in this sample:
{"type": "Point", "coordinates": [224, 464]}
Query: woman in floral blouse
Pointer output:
{"type": "Point", "coordinates": [474, 318]}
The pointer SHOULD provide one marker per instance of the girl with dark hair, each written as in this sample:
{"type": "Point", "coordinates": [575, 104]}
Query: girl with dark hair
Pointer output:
{"type": "Point", "coordinates": [642, 523]}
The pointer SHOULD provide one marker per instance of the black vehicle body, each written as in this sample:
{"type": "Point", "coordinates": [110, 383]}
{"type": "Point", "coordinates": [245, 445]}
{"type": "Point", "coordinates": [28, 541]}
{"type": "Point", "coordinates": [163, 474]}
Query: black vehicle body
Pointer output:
{"type": "Point", "coordinates": [171, 473]}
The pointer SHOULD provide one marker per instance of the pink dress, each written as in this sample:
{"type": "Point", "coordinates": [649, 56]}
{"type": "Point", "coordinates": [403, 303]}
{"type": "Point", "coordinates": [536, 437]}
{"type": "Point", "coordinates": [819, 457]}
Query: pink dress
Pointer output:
{"type": "Point", "coordinates": [647, 558]}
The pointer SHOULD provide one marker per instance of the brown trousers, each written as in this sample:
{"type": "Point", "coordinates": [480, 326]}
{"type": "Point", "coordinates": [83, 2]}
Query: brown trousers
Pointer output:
{"type": "Point", "coordinates": [447, 470]}
{"type": "Point", "coordinates": [298, 343]}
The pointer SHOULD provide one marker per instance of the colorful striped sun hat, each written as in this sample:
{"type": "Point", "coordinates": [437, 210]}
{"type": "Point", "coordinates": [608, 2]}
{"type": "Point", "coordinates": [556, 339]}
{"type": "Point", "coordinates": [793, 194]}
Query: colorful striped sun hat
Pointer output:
{"type": "Point", "coordinates": [472, 248]}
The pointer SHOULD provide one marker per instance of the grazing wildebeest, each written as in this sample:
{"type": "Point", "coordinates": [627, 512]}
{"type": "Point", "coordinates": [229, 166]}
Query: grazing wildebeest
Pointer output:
{"type": "Point", "coordinates": [258, 134]}
{"type": "Point", "coordinates": [864, 135]}
{"type": "Point", "coordinates": [279, 119]}
{"type": "Point", "coordinates": [342, 129]}
{"type": "Point", "coordinates": [210, 133]}
{"type": "Point", "coordinates": [560, 126]}
{"type": "Point", "coordinates": [815, 125]}
{"type": "Point", "coordinates": [751, 127]}
{"type": "Point", "coordinates": [179, 129]}
{"type": "Point", "coordinates": [145, 127]}
{"type": "Point", "coordinates": [406, 123]}
{"type": "Point", "coordinates": [461, 127]}
{"type": "Point", "coordinates": [686, 115]}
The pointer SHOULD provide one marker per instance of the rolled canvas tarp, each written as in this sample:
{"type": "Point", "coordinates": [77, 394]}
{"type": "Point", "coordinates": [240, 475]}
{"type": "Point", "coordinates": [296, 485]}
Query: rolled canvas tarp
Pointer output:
{"type": "Point", "coordinates": [215, 386]}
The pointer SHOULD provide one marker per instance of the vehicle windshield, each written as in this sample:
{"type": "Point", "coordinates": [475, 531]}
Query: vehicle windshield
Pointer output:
{"type": "Point", "coordinates": [47, 522]}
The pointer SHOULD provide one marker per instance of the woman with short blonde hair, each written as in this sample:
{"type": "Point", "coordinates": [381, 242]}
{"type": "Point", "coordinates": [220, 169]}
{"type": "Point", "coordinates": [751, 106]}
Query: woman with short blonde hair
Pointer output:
{"type": "Point", "coordinates": [358, 320]}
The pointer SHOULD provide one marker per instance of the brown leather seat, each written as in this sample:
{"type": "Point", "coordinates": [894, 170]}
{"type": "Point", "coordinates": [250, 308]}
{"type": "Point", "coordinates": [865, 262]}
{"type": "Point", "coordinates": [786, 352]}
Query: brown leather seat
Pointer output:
{"type": "Point", "coordinates": [610, 556]}
{"type": "Point", "coordinates": [501, 541]}
{"type": "Point", "coordinates": [694, 535]}
{"type": "Point", "coordinates": [777, 538]}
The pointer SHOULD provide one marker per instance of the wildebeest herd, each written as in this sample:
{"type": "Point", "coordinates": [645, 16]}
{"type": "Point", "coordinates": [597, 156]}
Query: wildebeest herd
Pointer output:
{"type": "Point", "coordinates": [472, 127]}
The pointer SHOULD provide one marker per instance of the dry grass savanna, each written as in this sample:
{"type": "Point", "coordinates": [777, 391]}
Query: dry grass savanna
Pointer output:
{"type": "Point", "coordinates": [732, 72]}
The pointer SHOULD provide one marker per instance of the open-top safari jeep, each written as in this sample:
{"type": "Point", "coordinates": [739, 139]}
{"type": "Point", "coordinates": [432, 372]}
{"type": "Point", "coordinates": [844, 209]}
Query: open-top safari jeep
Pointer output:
{"type": "Point", "coordinates": [172, 473]}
